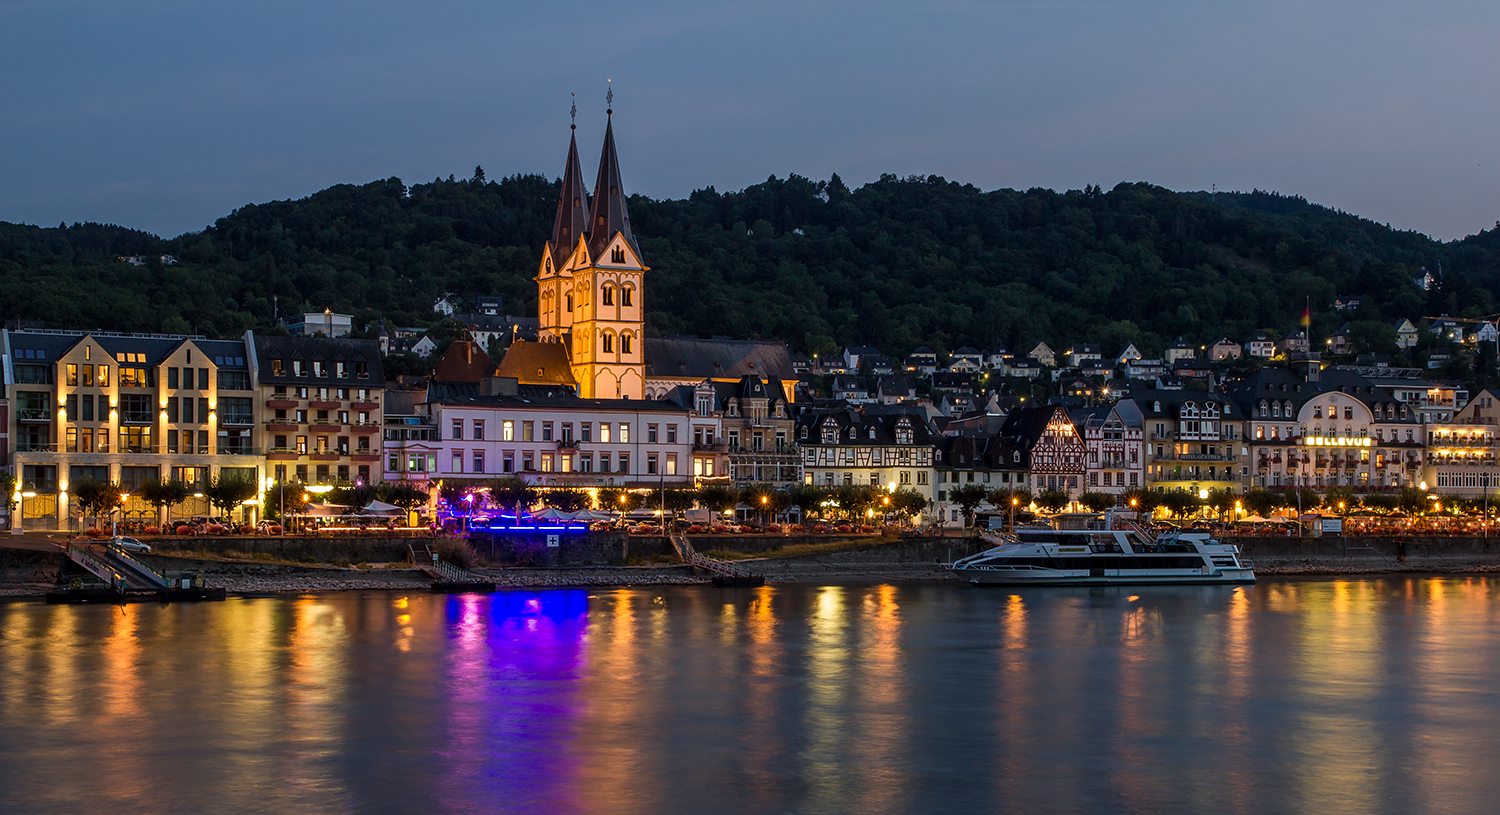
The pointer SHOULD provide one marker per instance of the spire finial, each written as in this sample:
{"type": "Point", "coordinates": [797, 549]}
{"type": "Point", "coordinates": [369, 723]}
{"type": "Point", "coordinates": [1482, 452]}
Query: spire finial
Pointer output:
{"type": "Point", "coordinates": [609, 99]}
{"type": "Point", "coordinates": [573, 112]}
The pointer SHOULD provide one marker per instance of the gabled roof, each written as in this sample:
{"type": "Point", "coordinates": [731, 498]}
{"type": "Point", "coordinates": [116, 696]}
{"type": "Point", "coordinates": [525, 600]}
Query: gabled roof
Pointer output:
{"type": "Point", "coordinates": [464, 361]}
{"type": "Point", "coordinates": [608, 215]}
{"type": "Point", "coordinates": [537, 363]}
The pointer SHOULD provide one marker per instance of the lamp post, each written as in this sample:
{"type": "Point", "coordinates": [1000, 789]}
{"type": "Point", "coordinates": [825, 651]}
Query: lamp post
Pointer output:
{"type": "Point", "coordinates": [1013, 502]}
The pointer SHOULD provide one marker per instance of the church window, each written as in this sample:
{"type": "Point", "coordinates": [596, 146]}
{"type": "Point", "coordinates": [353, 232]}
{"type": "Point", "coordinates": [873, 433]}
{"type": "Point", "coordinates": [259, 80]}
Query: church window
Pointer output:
{"type": "Point", "coordinates": [624, 343]}
{"type": "Point", "coordinates": [570, 302]}
{"type": "Point", "coordinates": [607, 295]}
{"type": "Point", "coordinates": [625, 292]}
{"type": "Point", "coordinates": [618, 255]}
{"type": "Point", "coordinates": [607, 343]}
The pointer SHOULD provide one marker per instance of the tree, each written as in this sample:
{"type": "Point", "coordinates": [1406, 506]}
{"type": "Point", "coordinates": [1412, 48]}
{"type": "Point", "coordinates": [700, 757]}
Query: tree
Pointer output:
{"type": "Point", "coordinates": [512, 494]}
{"type": "Point", "coordinates": [1340, 499]}
{"type": "Point", "coordinates": [1221, 500]}
{"type": "Point", "coordinates": [717, 498]}
{"type": "Point", "coordinates": [451, 492]}
{"type": "Point", "coordinates": [566, 500]}
{"type": "Point", "coordinates": [227, 493]}
{"type": "Point", "coordinates": [96, 498]}
{"type": "Point", "coordinates": [353, 495]}
{"type": "Point", "coordinates": [162, 493]}
{"type": "Point", "coordinates": [8, 487]}
{"type": "Point", "coordinates": [1097, 501]}
{"type": "Point", "coordinates": [1261, 502]}
{"type": "Point", "coordinates": [1412, 501]}
{"type": "Point", "coordinates": [403, 495]}
{"type": "Point", "coordinates": [1009, 498]}
{"type": "Point", "coordinates": [290, 496]}
{"type": "Point", "coordinates": [807, 498]}
{"type": "Point", "coordinates": [478, 174]}
{"type": "Point", "coordinates": [908, 502]}
{"type": "Point", "coordinates": [968, 497]}
{"type": "Point", "coordinates": [1179, 502]}
{"type": "Point", "coordinates": [1052, 500]}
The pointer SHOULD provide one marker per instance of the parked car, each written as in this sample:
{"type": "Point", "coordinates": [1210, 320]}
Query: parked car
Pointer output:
{"type": "Point", "coordinates": [130, 544]}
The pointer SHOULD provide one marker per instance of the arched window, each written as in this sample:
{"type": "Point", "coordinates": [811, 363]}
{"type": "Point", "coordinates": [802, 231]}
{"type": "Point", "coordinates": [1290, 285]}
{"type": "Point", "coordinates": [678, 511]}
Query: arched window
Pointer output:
{"type": "Point", "coordinates": [607, 343]}
{"type": "Point", "coordinates": [570, 302]}
{"type": "Point", "coordinates": [618, 255]}
{"type": "Point", "coordinates": [607, 295]}
{"type": "Point", "coordinates": [624, 343]}
{"type": "Point", "coordinates": [625, 298]}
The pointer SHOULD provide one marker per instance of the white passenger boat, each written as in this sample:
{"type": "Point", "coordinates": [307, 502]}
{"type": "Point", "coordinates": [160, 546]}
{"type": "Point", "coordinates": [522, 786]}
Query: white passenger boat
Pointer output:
{"type": "Point", "coordinates": [1113, 556]}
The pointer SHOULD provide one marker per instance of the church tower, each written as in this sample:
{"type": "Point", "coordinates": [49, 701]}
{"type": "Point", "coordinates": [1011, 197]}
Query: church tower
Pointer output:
{"type": "Point", "coordinates": [590, 287]}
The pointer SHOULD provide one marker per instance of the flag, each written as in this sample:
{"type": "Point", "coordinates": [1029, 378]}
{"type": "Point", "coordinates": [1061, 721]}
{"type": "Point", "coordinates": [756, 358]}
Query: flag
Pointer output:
{"type": "Point", "coordinates": [1307, 316]}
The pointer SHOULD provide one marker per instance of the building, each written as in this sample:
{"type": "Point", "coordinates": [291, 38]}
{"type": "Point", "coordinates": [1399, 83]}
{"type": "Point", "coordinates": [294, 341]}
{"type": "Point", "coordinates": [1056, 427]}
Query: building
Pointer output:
{"type": "Point", "coordinates": [892, 390]}
{"type": "Point", "coordinates": [127, 408]}
{"type": "Point", "coordinates": [323, 407]}
{"type": "Point", "coordinates": [1295, 342]}
{"type": "Point", "coordinates": [320, 324]}
{"type": "Point", "coordinates": [1192, 440]}
{"type": "Point", "coordinates": [1081, 352]}
{"type": "Point", "coordinates": [1327, 429]}
{"type": "Point", "coordinates": [984, 460]}
{"type": "Point", "coordinates": [921, 361]}
{"type": "Point", "coordinates": [854, 356]}
{"type": "Point", "coordinates": [677, 361]}
{"type": "Point", "coordinates": [1046, 442]}
{"type": "Point", "coordinates": [1114, 446]}
{"type": "Point", "coordinates": [1180, 349]}
{"type": "Point", "coordinates": [1446, 328]}
{"type": "Point", "coordinates": [1043, 355]}
{"type": "Point", "coordinates": [590, 294]}
{"type": "Point", "coordinates": [1406, 334]}
{"type": "Point", "coordinates": [757, 430]}
{"type": "Point", "coordinates": [1130, 353]}
{"type": "Point", "coordinates": [1463, 455]}
{"type": "Point", "coordinates": [852, 389]}
{"type": "Point", "coordinates": [561, 441]}
{"type": "Point", "coordinates": [1261, 344]}
{"type": "Point", "coordinates": [1224, 348]}
{"type": "Point", "coordinates": [1340, 342]}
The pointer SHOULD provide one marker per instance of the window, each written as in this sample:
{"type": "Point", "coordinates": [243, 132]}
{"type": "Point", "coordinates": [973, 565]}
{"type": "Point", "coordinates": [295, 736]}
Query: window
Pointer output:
{"type": "Point", "coordinates": [604, 433]}
{"type": "Point", "coordinates": [278, 368]}
{"type": "Point", "coordinates": [527, 432]}
{"type": "Point", "coordinates": [567, 432]}
{"type": "Point", "coordinates": [651, 434]}
{"type": "Point", "coordinates": [624, 343]}
{"type": "Point", "coordinates": [671, 464]}
{"type": "Point", "coordinates": [604, 462]}
{"type": "Point", "coordinates": [624, 462]}
{"type": "Point", "coordinates": [507, 462]}
{"type": "Point", "coordinates": [905, 477]}
{"type": "Point", "coordinates": [617, 255]}
{"type": "Point", "coordinates": [607, 343]}
{"type": "Point", "coordinates": [546, 431]}
{"type": "Point", "coordinates": [72, 375]}
{"type": "Point", "coordinates": [586, 462]}
{"type": "Point", "coordinates": [458, 429]}
{"type": "Point", "coordinates": [624, 433]}
{"type": "Point", "coordinates": [671, 434]}
{"type": "Point", "coordinates": [650, 464]}
{"type": "Point", "coordinates": [478, 430]}
{"type": "Point", "coordinates": [921, 476]}
{"type": "Point", "coordinates": [625, 292]}
{"type": "Point", "coordinates": [585, 431]}
{"type": "Point", "coordinates": [527, 461]}
{"type": "Point", "coordinates": [458, 462]}
{"type": "Point", "coordinates": [478, 461]}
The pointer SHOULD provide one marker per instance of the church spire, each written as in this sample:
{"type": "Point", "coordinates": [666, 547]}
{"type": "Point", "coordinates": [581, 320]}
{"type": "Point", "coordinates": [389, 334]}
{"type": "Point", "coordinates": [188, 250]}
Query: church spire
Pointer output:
{"type": "Point", "coordinates": [572, 206]}
{"type": "Point", "coordinates": [609, 215]}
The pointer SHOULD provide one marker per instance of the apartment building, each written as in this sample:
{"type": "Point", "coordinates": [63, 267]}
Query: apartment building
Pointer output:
{"type": "Point", "coordinates": [1192, 440]}
{"type": "Point", "coordinates": [126, 408]}
{"type": "Point", "coordinates": [890, 447]}
{"type": "Point", "coordinates": [322, 408]}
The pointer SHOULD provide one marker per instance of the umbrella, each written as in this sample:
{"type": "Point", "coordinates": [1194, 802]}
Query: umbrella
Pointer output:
{"type": "Point", "coordinates": [380, 508]}
{"type": "Point", "coordinates": [1256, 519]}
{"type": "Point", "coordinates": [553, 514]}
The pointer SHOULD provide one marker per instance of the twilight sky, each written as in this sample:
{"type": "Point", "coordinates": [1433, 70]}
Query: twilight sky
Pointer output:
{"type": "Point", "coordinates": [166, 114]}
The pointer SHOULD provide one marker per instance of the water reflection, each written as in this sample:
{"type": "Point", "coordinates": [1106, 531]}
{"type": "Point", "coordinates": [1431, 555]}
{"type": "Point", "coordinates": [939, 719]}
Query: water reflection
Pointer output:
{"type": "Point", "coordinates": [1291, 696]}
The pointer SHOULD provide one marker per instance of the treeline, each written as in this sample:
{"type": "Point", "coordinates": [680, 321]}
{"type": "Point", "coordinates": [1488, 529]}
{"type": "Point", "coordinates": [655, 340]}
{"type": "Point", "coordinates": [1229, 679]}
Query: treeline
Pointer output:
{"type": "Point", "coordinates": [897, 263]}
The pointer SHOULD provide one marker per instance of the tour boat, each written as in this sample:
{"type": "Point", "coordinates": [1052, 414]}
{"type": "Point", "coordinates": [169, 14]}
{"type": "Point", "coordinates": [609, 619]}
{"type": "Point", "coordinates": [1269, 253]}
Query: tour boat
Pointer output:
{"type": "Point", "coordinates": [1110, 556]}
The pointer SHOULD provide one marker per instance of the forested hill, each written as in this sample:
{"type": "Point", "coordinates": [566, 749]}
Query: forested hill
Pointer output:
{"type": "Point", "coordinates": [896, 263]}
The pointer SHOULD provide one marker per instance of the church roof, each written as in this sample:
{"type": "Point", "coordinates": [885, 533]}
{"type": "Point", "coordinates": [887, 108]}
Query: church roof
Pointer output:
{"type": "Point", "coordinates": [537, 363]}
{"type": "Point", "coordinates": [608, 214]}
{"type": "Point", "coordinates": [692, 358]}
{"type": "Point", "coordinates": [572, 208]}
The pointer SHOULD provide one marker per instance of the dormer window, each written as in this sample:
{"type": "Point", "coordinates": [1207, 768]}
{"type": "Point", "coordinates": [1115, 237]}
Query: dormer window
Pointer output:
{"type": "Point", "coordinates": [870, 433]}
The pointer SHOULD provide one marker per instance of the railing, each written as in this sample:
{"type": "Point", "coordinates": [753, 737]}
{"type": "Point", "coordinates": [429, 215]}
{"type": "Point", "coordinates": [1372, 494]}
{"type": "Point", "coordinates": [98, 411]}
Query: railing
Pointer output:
{"type": "Point", "coordinates": [35, 447]}
{"type": "Point", "coordinates": [239, 451]}
{"type": "Point", "coordinates": [34, 414]}
{"type": "Point", "coordinates": [137, 417]}
{"type": "Point", "coordinates": [568, 444]}
{"type": "Point", "coordinates": [138, 448]}
{"type": "Point", "coordinates": [236, 418]}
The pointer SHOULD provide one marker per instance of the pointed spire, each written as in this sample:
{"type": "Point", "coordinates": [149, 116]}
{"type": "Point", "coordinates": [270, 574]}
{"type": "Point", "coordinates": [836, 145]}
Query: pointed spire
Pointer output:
{"type": "Point", "coordinates": [572, 207]}
{"type": "Point", "coordinates": [608, 214]}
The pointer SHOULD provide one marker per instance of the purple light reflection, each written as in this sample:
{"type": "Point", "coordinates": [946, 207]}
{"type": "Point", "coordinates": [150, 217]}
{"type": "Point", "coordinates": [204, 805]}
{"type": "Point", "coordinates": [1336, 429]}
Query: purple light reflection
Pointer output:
{"type": "Point", "coordinates": [513, 696]}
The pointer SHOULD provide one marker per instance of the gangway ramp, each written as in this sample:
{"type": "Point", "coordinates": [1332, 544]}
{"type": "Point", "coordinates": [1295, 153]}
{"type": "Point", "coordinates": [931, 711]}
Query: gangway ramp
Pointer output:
{"type": "Point", "coordinates": [724, 573]}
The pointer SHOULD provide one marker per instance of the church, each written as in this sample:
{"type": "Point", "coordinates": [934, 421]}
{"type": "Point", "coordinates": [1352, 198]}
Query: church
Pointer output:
{"type": "Point", "coordinates": [591, 307]}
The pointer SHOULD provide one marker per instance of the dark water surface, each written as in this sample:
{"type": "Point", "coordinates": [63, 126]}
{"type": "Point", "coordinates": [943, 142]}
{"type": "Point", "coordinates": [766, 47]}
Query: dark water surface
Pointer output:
{"type": "Point", "coordinates": [1348, 696]}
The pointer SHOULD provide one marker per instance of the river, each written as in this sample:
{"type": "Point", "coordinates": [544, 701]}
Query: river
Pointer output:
{"type": "Point", "coordinates": [1294, 696]}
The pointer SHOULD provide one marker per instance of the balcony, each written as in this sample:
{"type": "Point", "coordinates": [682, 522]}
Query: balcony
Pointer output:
{"type": "Point", "coordinates": [281, 427]}
{"type": "Point", "coordinates": [34, 415]}
{"type": "Point", "coordinates": [323, 405]}
{"type": "Point", "coordinates": [324, 427]}
{"type": "Point", "coordinates": [137, 417]}
{"type": "Point", "coordinates": [141, 449]}
{"type": "Point", "coordinates": [281, 403]}
{"type": "Point", "coordinates": [35, 447]}
{"type": "Point", "coordinates": [239, 451]}
{"type": "Point", "coordinates": [366, 428]}
{"type": "Point", "coordinates": [568, 444]}
{"type": "Point", "coordinates": [704, 447]}
{"type": "Point", "coordinates": [283, 454]}
{"type": "Point", "coordinates": [324, 456]}
{"type": "Point", "coordinates": [365, 455]}
{"type": "Point", "coordinates": [236, 419]}
{"type": "Point", "coordinates": [366, 405]}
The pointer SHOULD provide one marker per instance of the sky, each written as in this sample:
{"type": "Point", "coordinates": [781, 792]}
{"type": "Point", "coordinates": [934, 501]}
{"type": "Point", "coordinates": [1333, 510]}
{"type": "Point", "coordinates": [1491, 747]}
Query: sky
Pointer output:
{"type": "Point", "coordinates": [164, 115]}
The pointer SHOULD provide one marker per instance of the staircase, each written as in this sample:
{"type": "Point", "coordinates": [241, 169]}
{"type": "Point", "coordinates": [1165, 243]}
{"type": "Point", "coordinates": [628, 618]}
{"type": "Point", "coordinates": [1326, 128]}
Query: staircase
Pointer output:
{"type": "Point", "coordinates": [446, 577]}
{"type": "Point", "coordinates": [724, 573]}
